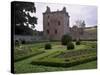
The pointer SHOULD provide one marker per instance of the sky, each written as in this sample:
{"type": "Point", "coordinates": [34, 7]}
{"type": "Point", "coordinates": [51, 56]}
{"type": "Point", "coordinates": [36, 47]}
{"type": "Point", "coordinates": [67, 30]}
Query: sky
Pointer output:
{"type": "Point", "coordinates": [76, 12]}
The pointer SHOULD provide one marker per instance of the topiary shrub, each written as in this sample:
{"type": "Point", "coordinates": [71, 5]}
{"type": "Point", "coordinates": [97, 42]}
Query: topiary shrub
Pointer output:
{"type": "Point", "coordinates": [17, 43]}
{"type": "Point", "coordinates": [23, 42]}
{"type": "Point", "coordinates": [70, 46]}
{"type": "Point", "coordinates": [77, 42]}
{"type": "Point", "coordinates": [66, 39]}
{"type": "Point", "coordinates": [47, 46]}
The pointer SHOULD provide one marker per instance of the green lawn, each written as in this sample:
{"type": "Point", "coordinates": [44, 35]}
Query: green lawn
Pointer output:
{"type": "Point", "coordinates": [25, 66]}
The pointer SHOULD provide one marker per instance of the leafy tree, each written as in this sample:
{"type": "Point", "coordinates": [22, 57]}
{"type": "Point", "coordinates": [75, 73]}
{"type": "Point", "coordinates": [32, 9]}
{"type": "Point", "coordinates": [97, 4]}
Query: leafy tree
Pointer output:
{"type": "Point", "coordinates": [22, 18]}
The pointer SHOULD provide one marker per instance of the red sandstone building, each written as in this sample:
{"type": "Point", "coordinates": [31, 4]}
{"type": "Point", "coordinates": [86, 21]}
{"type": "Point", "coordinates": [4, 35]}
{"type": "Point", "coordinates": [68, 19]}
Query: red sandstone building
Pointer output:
{"type": "Point", "coordinates": [55, 24]}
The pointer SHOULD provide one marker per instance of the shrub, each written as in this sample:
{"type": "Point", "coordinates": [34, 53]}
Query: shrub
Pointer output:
{"type": "Point", "coordinates": [62, 63]}
{"type": "Point", "coordinates": [93, 45]}
{"type": "Point", "coordinates": [70, 46]}
{"type": "Point", "coordinates": [23, 42]}
{"type": "Point", "coordinates": [27, 55]}
{"type": "Point", "coordinates": [17, 43]}
{"type": "Point", "coordinates": [77, 42]}
{"type": "Point", "coordinates": [47, 46]}
{"type": "Point", "coordinates": [66, 39]}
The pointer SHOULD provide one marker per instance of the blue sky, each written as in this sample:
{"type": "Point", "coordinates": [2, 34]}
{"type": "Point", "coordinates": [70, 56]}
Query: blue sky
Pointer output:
{"type": "Point", "coordinates": [76, 12]}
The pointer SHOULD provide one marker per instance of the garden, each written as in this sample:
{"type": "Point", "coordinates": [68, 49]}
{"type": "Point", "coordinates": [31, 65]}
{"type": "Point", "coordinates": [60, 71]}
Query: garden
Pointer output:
{"type": "Point", "coordinates": [55, 56]}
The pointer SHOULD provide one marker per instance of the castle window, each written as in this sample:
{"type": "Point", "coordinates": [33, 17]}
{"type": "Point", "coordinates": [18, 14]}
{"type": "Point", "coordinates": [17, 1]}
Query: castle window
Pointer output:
{"type": "Point", "coordinates": [59, 23]}
{"type": "Point", "coordinates": [48, 23]}
{"type": "Point", "coordinates": [48, 16]}
{"type": "Point", "coordinates": [47, 31]}
{"type": "Point", "coordinates": [55, 31]}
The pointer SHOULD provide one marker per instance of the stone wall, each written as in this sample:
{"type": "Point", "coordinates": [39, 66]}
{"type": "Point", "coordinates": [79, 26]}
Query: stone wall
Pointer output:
{"type": "Point", "coordinates": [86, 34]}
{"type": "Point", "coordinates": [27, 38]}
{"type": "Point", "coordinates": [89, 36]}
{"type": "Point", "coordinates": [56, 24]}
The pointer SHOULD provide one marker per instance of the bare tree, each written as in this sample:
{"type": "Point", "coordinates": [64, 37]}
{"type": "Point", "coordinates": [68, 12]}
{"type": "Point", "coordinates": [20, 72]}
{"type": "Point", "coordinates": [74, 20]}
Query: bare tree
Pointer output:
{"type": "Point", "coordinates": [79, 28]}
{"type": "Point", "coordinates": [80, 23]}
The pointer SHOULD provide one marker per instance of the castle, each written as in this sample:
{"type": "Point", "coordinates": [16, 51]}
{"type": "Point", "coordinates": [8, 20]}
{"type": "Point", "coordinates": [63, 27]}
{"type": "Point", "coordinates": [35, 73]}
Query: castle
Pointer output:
{"type": "Point", "coordinates": [56, 24]}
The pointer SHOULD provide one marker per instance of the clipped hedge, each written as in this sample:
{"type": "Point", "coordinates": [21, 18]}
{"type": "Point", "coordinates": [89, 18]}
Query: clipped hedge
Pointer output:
{"type": "Point", "coordinates": [46, 55]}
{"type": "Point", "coordinates": [64, 64]}
{"type": "Point", "coordinates": [70, 46]}
{"type": "Point", "coordinates": [66, 39]}
{"type": "Point", "coordinates": [78, 43]}
{"type": "Point", "coordinates": [16, 58]}
{"type": "Point", "coordinates": [48, 46]}
{"type": "Point", "coordinates": [17, 43]}
{"type": "Point", "coordinates": [74, 53]}
{"type": "Point", "coordinates": [23, 42]}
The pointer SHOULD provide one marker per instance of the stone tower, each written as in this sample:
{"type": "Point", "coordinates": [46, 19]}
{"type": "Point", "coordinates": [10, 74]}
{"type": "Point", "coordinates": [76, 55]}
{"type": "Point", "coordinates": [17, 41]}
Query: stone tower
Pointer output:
{"type": "Point", "coordinates": [55, 24]}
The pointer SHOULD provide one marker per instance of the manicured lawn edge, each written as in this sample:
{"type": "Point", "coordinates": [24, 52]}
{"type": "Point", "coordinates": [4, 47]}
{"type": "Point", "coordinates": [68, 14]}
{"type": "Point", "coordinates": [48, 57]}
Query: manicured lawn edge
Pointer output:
{"type": "Point", "coordinates": [64, 64]}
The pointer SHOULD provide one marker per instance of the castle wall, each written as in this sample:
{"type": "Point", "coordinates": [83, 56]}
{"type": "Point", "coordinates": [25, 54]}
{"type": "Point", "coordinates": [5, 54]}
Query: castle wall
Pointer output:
{"type": "Point", "coordinates": [87, 35]}
{"type": "Point", "coordinates": [56, 24]}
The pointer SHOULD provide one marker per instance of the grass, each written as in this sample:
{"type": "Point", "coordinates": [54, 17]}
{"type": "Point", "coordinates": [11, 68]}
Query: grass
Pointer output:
{"type": "Point", "coordinates": [24, 65]}
{"type": "Point", "coordinates": [91, 30]}
{"type": "Point", "coordinates": [89, 65]}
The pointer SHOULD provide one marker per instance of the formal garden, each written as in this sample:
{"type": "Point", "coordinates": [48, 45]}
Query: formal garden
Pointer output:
{"type": "Point", "coordinates": [51, 47]}
{"type": "Point", "coordinates": [55, 56]}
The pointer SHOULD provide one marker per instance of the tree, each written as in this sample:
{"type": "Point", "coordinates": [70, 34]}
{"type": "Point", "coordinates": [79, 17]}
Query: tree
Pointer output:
{"type": "Point", "coordinates": [21, 17]}
{"type": "Point", "coordinates": [80, 23]}
{"type": "Point", "coordinates": [78, 29]}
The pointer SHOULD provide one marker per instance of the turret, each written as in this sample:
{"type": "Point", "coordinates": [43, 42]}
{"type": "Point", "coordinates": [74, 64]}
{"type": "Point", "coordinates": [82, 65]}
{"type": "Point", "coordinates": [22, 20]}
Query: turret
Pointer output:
{"type": "Point", "coordinates": [48, 9]}
{"type": "Point", "coordinates": [64, 9]}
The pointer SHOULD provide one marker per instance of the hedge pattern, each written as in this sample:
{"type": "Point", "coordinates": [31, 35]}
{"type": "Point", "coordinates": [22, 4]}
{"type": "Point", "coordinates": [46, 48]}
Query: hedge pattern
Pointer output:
{"type": "Point", "coordinates": [70, 60]}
